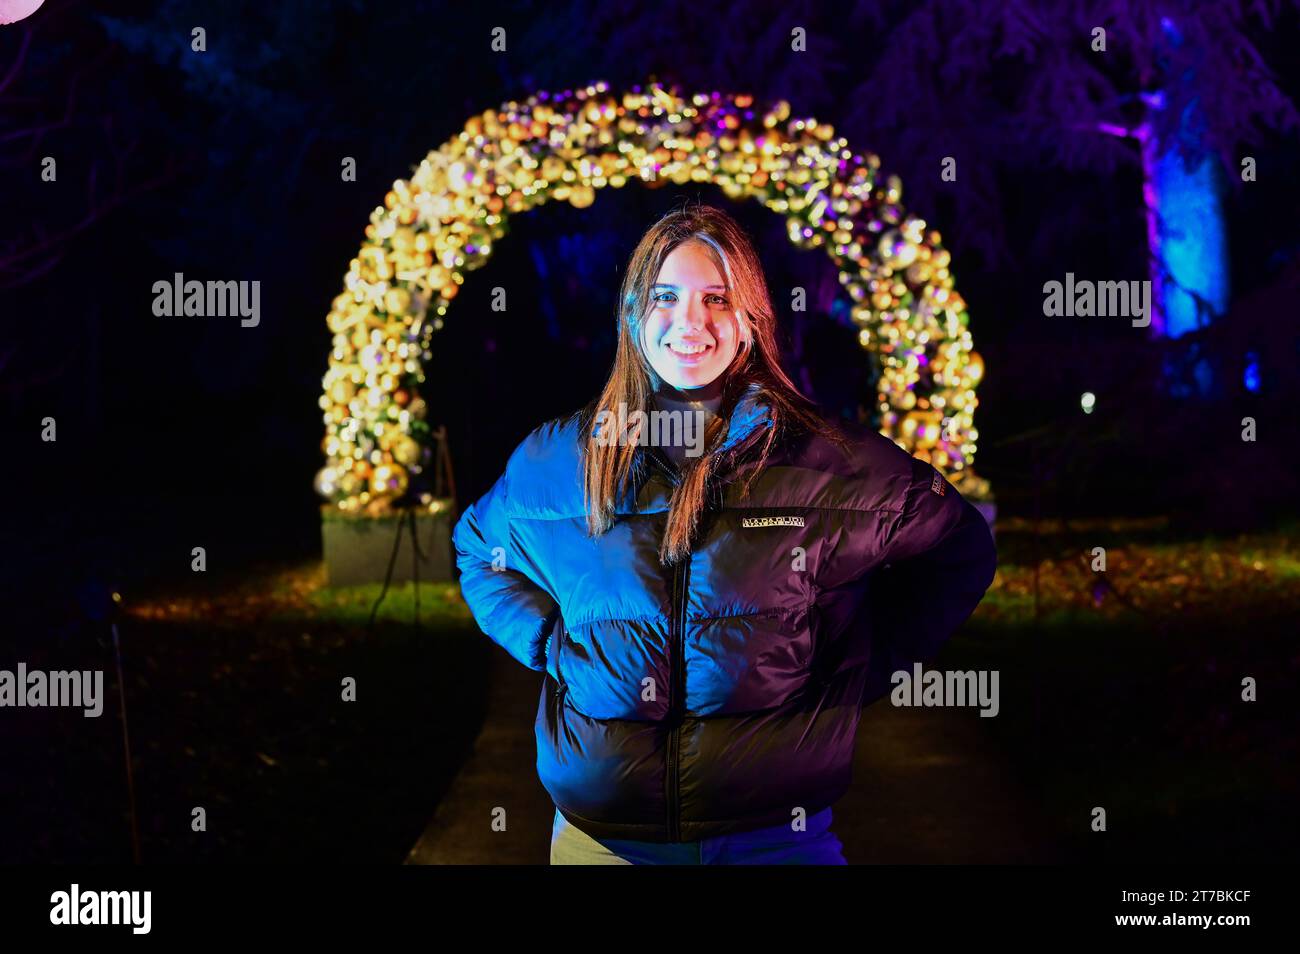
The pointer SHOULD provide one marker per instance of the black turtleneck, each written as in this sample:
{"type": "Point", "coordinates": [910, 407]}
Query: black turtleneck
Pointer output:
{"type": "Point", "coordinates": [707, 399]}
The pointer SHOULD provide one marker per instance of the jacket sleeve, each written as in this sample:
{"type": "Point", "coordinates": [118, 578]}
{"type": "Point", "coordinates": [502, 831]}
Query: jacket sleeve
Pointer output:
{"type": "Point", "coordinates": [939, 560]}
{"type": "Point", "coordinates": [508, 606]}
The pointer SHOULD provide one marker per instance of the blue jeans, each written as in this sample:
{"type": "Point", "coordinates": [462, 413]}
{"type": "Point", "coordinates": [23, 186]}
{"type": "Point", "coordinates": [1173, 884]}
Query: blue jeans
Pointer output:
{"type": "Point", "coordinates": [778, 845]}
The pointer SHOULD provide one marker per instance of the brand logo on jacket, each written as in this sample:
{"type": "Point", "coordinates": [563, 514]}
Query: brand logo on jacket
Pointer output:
{"type": "Point", "coordinates": [772, 522]}
{"type": "Point", "coordinates": [936, 484]}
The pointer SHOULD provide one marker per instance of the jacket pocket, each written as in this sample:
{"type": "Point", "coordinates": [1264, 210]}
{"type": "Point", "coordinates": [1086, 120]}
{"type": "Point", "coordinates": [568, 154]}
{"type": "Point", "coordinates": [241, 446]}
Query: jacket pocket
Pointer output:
{"type": "Point", "coordinates": [555, 647]}
{"type": "Point", "coordinates": [820, 664]}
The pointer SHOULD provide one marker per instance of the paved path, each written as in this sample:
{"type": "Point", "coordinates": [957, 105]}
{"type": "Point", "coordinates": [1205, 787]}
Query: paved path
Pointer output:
{"type": "Point", "coordinates": [501, 772]}
{"type": "Point", "coordinates": [928, 788]}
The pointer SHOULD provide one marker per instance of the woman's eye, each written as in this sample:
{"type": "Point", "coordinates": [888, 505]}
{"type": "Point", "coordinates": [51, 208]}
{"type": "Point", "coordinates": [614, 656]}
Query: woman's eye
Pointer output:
{"type": "Point", "coordinates": [670, 297]}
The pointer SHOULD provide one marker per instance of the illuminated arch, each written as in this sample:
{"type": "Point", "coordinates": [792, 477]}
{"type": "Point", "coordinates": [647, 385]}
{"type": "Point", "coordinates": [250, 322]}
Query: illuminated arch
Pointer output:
{"type": "Point", "coordinates": [443, 222]}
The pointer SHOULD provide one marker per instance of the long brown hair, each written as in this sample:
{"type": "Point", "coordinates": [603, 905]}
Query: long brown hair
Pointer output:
{"type": "Point", "coordinates": [756, 369]}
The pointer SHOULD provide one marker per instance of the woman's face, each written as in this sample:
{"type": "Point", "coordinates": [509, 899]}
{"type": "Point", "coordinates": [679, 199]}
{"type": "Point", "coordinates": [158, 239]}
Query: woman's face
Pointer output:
{"type": "Point", "coordinates": [692, 333]}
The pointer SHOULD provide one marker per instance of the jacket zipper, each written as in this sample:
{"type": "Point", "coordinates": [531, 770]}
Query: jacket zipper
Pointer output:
{"type": "Point", "coordinates": [677, 668]}
{"type": "Point", "coordinates": [676, 674]}
{"type": "Point", "coordinates": [677, 663]}
{"type": "Point", "coordinates": [677, 699]}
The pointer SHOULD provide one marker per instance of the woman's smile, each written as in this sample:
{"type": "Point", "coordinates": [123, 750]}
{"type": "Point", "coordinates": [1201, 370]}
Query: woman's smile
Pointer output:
{"type": "Point", "coordinates": [692, 332]}
{"type": "Point", "coordinates": [689, 352]}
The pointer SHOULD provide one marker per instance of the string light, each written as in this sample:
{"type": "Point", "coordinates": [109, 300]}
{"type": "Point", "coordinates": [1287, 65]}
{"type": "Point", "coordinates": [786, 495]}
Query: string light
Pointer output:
{"type": "Point", "coordinates": [444, 222]}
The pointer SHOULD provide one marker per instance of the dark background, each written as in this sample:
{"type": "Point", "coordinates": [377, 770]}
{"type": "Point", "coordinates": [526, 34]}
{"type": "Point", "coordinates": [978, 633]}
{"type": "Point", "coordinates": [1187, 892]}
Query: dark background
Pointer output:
{"type": "Point", "coordinates": [225, 165]}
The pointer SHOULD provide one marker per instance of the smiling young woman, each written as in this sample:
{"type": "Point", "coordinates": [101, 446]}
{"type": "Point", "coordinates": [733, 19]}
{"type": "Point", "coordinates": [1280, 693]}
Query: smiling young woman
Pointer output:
{"type": "Point", "coordinates": [692, 333]}
{"type": "Point", "coordinates": [711, 625]}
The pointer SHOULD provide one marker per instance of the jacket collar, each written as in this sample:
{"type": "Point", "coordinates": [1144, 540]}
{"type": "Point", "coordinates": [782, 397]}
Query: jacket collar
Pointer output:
{"type": "Point", "coordinates": [750, 415]}
{"type": "Point", "coordinates": [749, 418]}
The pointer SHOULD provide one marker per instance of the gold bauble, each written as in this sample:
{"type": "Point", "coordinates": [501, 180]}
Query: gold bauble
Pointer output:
{"type": "Point", "coordinates": [397, 301]}
{"type": "Point", "coordinates": [895, 250]}
{"type": "Point", "coordinates": [343, 391]}
{"type": "Point", "coordinates": [406, 451]}
{"type": "Point", "coordinates": [326, 482]}
{"type": "Point", "coordinates": [388, 480]}
{"type": "Point", "coordinates": [340, 319]}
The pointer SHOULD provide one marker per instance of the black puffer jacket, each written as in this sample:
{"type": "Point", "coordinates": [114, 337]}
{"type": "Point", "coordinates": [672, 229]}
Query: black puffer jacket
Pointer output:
{"type": "Point", "coordinates": [719, 694]}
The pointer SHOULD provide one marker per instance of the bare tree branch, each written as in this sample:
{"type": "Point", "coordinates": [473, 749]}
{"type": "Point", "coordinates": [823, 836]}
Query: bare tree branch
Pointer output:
{"type": "Point", "coordinates": [14, 271]}
{"type": "Point", "coordinates": [18, 60]}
